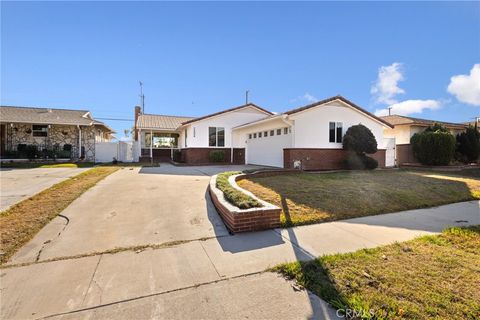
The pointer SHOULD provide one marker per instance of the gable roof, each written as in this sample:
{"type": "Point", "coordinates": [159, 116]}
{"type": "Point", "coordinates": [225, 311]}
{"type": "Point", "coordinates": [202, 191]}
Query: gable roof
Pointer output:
{"type": "Point", "coordinates": [344, 100]}
{"type": "Point", "coordinates": [45, 115]}
{"type": "Point", "coordinates": [228, 110]}
{"type": "Point", "coordinates": [160, 122]}
{"type": "Point", "coordinates": [404, 120]}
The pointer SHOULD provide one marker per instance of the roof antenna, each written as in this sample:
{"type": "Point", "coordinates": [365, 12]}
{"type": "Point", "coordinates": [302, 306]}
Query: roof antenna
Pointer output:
{"type": "Point", "coordinates": [142, 97]}
{"type": "Point", "coordinates": [389, 111]}
{"type": "Point", "coordinates": [246, 96]}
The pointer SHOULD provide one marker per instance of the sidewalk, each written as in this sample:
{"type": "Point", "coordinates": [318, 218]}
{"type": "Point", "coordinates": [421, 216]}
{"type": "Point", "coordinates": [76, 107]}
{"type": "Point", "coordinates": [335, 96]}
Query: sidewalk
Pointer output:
{"type": "Point", "coordinates": [104, 285]}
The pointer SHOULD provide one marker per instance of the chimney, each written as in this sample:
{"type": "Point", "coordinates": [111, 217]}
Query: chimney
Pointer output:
{"type": "Point", "coordinates": [138, 111]}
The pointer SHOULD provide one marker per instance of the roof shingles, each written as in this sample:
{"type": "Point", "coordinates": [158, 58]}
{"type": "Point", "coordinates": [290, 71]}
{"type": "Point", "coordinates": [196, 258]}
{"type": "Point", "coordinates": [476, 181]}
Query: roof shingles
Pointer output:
{"type": "Point", "coordinates": [44, 115]}
{"type": "Point", "coordinates": [160, 122]}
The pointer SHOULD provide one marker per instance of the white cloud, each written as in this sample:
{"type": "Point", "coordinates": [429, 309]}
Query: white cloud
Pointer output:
{"type": "Point", "coordinates": [306, 97]}
{"type": "Point", "coordinates": [466, 88]}
{"type": "Point", "coordinates": [410, 106]}
{"type": "Point", "coordinates": [386, 87]}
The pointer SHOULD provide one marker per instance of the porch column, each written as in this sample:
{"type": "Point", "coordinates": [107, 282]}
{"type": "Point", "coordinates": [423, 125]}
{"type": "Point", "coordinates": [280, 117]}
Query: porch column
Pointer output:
{"type": "Point", "coordinates": [79, 142]}
{"type": "Point", "coordinates": [151, 146]}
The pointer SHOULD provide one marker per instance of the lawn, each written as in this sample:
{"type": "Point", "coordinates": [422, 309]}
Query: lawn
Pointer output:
{"type": "Point", "coordinates": [28, 165]}
{"type": "Point", "coordinates": [23, 220]}
{"type": "Point", "coordinates": [318, 197]}
{"type": "Point", "coordinates": [432, 277]}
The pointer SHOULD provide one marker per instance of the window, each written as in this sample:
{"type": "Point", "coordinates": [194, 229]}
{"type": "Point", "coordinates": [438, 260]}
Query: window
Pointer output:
{"type": "Point", "coordinates": [254, 136]}
{"type": "Point", "coordinates": [185, 138]}
{"type": "Point", "coordinates": [216, 137]}
{"type": "Point", "coordinates": [259, 134]}
{"type": "Point", "coordinates": [194, 132]}
{"type": "Point", "coordinates": [272, 132]}
{"type": "Point", "coordinates": [249, 136]}
{"type": "Point", "coordinates": [335, 132]}
{"type": "Point", "coordinates": [39, 130]}
{"type": "Point", "coordinates": [279, 132]}
{"type": "Point", "coordinates": [285, 130]}
{"type": "Point", "coordinates": [265, 133]}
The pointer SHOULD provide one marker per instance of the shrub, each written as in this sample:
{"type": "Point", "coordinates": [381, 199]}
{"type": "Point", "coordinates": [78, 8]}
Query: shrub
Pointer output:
{"type": "Point", "coordinates": [216, 156]}
{"type": "Point", "coordinates": [468, 145]}
{"type": "Point", "coordinates": [433, 147]}
{"type": "Point", "coordinates": [31, 151]}
{"type": "Point", "coordinates": [234, 196]}
{"type": "Point", "coordinates": [359, 141]}
{"type": "Point", "coordinates": [355, 161]}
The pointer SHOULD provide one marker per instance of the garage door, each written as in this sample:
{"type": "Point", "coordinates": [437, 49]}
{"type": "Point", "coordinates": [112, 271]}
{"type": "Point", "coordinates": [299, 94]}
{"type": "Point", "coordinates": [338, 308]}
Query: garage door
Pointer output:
{"type": "Point", "coordinates": [268, 151]}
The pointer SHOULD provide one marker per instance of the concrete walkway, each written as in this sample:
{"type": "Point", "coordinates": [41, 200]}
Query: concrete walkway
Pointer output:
{"type": "Point", "coordinates": [221, 277]}
{"type": "Point", "coordinates": [19, 184]}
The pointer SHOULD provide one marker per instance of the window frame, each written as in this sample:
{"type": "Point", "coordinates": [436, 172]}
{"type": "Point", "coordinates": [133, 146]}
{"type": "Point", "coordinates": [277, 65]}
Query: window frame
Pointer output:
{"type": "Point", "coordinates": [279, 132]}
{"type": "Point", "coordinates": [337, 131]}
{"type": "Point", "coordinates": [217, 130]}
{"type": "Point", "coordinates": [44, 126]}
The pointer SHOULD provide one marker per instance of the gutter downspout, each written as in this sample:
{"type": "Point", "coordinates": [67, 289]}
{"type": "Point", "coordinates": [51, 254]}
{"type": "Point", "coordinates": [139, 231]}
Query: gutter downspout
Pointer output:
{"type": "Point", "coordinates": [79, 142]}
{"type": "Point", "coordinates": [231, 146]}
{"type": "Point", "coordinates": [151, 147]}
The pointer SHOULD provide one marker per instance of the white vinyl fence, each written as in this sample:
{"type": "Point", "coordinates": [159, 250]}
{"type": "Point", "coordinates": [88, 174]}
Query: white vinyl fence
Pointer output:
{"type": "Point", "coordinates": [389, 144]}
{"type": "Point", "coordinates": [124, 151]}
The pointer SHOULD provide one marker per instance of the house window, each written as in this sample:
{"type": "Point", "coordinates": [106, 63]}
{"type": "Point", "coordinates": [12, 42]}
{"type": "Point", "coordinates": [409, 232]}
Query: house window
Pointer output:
{"type": "Point", "coordinates": [335, 132]}
{"type": "Point", "coordinates": [254, 136]}
{"type": "Point", "coordinates": [285, 130]}
{"type": "Point", "coordinates": [279, 132]}
{"type": "Point", "coordinates": [39, 130]}
{"type": "Point", "coordinates": [185, 138]}
{"type": "Point", "coordinates": [272, 132]}
{"type": "Point", "coordinates": [216, 136]}
{"type": "Point", "coordinates": [249, 136]}
{"type": "Point", "coordinates": [161, 140]}
{"type": "Point", "coordinates": [265, 133]}
{"type": "Point", "coordinates": [259, 134]}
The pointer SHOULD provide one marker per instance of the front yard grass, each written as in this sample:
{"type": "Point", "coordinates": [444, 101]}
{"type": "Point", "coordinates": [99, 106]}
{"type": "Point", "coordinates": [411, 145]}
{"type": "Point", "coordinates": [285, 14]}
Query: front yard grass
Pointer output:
{"type": "Point", "coordinates": [23, 220]}
{"type": "Point", "coordinates": [432, 277]}
{"type": "Point", "coordinates": [318, 197]}
{"type": "Point", "coordinates": [29, 165]}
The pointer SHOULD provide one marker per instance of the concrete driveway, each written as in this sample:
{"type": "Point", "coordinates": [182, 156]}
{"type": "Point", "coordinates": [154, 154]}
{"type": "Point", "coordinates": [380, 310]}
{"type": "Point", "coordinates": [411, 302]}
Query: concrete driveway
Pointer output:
{"type": "Point", "coordinates": [133, 207]}
{"type": "Point", "coordinates": [19, 184]}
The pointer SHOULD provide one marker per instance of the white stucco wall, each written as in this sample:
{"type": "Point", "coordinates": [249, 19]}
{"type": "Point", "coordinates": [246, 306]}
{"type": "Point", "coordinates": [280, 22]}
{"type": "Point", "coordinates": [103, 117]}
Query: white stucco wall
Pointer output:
{"type": "Point", "coordinates": [312, 125]}
{"type": "Point", "coordinates": [401, 134]}
{"type": "Point", "coordinates": [197, 132]}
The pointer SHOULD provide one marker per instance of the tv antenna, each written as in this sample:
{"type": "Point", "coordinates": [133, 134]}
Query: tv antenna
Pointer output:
{"type": "Point", "coordinates": [246, 96]}
{"type": "Point", "coordinates": [142, 97]}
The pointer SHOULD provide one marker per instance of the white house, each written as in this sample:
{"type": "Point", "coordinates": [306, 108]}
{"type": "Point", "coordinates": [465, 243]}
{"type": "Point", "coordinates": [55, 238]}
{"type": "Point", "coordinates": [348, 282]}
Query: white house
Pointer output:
{"type": "Point", "coordinates": [310, 136]}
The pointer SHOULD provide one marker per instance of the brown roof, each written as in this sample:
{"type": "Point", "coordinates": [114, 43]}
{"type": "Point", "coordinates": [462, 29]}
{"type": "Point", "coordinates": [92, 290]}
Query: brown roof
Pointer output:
{"type": "Point", "coordinates": [338, 97]}
{"type": "Point", "coordinates": [45, 115]}
{"type": "Point", "coordinates": [161, 122]}
{"type": "Point", "coordinates": [404, 120]}
{"type": "Point", "coordinates": [227, 110]}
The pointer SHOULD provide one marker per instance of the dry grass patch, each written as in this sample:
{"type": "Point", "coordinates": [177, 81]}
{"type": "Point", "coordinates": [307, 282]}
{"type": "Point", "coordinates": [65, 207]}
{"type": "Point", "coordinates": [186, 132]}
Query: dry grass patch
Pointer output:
{"type": "Point", "coordinates": [310, 198]}
{"type": "Point", "coordinates": [433, 277]}
{"type": "Point", "coordinates": [23, 220]}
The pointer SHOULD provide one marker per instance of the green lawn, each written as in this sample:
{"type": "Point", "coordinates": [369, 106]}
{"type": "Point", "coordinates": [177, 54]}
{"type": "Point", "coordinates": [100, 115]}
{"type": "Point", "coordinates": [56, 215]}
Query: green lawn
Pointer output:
{"type": "Point", "coordinates": [433, 277]}
{"type": "Point", "coordinates": [27, 165]}
{"type": "Point", "coordinates": [318, 197]}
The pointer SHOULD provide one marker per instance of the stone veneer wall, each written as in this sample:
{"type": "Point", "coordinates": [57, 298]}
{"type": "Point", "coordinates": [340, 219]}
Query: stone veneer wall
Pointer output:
{"type": "Point", "coordinates": [57, 134]}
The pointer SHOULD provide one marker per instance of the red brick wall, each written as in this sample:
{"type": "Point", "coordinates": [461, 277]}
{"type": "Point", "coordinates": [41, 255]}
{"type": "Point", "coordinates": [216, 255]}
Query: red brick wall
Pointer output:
{"type": "Point", "coordinates": [405, 154]}
{"type": "Point", "coordinates": [200, 155]}
{"type": "Point", "coordinates": [247, 221]}
{"type": "Point", "coordinates": [322, 159]}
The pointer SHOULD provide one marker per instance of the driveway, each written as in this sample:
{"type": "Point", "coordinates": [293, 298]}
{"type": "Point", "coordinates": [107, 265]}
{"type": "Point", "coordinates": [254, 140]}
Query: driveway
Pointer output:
{"type": "Point", "coordinates": [133, 207]}
{"type": "Point", "coordinates": [19, 184]}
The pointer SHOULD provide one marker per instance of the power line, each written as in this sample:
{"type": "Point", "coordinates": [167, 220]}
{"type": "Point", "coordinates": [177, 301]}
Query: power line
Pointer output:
{"type": "Point", "coordinates": [114, 119]}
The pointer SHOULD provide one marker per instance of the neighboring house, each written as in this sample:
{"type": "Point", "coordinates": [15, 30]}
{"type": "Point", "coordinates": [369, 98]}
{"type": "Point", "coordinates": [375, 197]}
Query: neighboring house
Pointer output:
{"type": "Point", "coordinates": [405, 127]}
{"type": "Point", "coordinates": [64, 132]}
{"type": "Point", "coordinates": [309, 137]}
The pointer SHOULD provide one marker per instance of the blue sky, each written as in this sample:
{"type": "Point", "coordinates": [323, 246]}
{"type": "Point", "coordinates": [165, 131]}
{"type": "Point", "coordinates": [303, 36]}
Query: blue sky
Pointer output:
{"type": "Point", "coordinates": [196, 58]}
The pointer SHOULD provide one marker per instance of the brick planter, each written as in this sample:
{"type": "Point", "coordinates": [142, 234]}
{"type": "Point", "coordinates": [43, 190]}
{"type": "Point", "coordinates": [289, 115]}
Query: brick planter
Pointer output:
{"type": "Point", "coordinates": [244, 220]}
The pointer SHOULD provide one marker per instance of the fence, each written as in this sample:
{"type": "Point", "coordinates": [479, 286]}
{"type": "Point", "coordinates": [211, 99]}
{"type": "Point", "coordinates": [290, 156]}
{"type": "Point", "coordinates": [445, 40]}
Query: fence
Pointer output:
{"type": "Point", "coordinates": [124, 151]}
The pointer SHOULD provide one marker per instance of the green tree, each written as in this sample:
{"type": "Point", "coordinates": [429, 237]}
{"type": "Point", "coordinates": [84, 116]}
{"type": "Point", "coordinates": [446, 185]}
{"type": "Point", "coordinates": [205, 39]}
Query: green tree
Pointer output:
{"type": "Point", "coordinates": [468, 144]}
{"type": "Point", "coordinates": [358, 142]}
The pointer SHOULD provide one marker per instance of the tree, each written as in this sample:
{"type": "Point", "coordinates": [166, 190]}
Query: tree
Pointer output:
{"type": "Point", "coordinates": [358, 142]}
{"type": "Point", "coordinates": [434, 146]}
{"type": "Point", "coordinates": [468, 144]}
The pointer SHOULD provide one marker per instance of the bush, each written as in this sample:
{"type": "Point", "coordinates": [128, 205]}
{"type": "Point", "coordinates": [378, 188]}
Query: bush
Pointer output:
{"type": "Point", "coordinates": [468, 145]}
{"type": "Point", "coordinates": [433, 147]}
{"type": "Point", "coordinates": [31, 151]}
{"type": "Point", "coordinates": [359, 141]}
{"type": "Point", "coordinates": [234, 196]}
{"type": "Point", "coordinates": [216, 156]}
{"type": "Point", "coordinates": [355, 161]}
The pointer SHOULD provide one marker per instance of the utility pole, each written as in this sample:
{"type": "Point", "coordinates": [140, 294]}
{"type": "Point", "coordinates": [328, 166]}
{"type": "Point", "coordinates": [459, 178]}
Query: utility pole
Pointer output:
{"type": "Point", "coordinates": [246, 96]}
{"type": "Point", "coordinates": [142, 97]}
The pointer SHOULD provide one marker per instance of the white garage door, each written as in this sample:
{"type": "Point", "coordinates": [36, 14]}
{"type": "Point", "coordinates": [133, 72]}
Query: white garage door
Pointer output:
{"type": "Point", "coordinates": [268, 151]}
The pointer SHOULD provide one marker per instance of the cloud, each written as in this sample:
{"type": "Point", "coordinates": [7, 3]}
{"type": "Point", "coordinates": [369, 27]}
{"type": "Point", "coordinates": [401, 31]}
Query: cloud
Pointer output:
{"type": "Point", "coordinates": [466, 88]}
{"type": "Point", "coordinates": [386, 87]}
{"type": "Point", "coordinates": [408, 107]}
{"type": "Point", "coordinates": [306, 97]}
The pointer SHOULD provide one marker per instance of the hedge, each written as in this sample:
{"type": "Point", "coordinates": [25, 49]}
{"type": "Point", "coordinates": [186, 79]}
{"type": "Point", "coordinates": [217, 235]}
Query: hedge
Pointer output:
{"type": "Point", "coordinates": [234, 196]}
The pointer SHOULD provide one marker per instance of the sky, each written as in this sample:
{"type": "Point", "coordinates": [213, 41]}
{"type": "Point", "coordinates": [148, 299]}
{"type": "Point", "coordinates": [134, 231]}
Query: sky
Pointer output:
{"type": "Point", "coordinates": [421, 59]}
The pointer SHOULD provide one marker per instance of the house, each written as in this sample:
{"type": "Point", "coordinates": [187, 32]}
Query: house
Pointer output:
{"type": "Point", "coordinates": [405, 127]}
{"type": "Point", "coordinates": [310, 136]}
{"type": "Point", "coordinates": [61, 133]}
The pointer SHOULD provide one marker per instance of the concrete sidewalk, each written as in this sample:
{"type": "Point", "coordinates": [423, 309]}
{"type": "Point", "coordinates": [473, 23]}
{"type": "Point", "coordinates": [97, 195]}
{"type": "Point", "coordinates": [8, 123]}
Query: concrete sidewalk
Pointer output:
{"type": "Point", "coordinates": [162, 282]}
